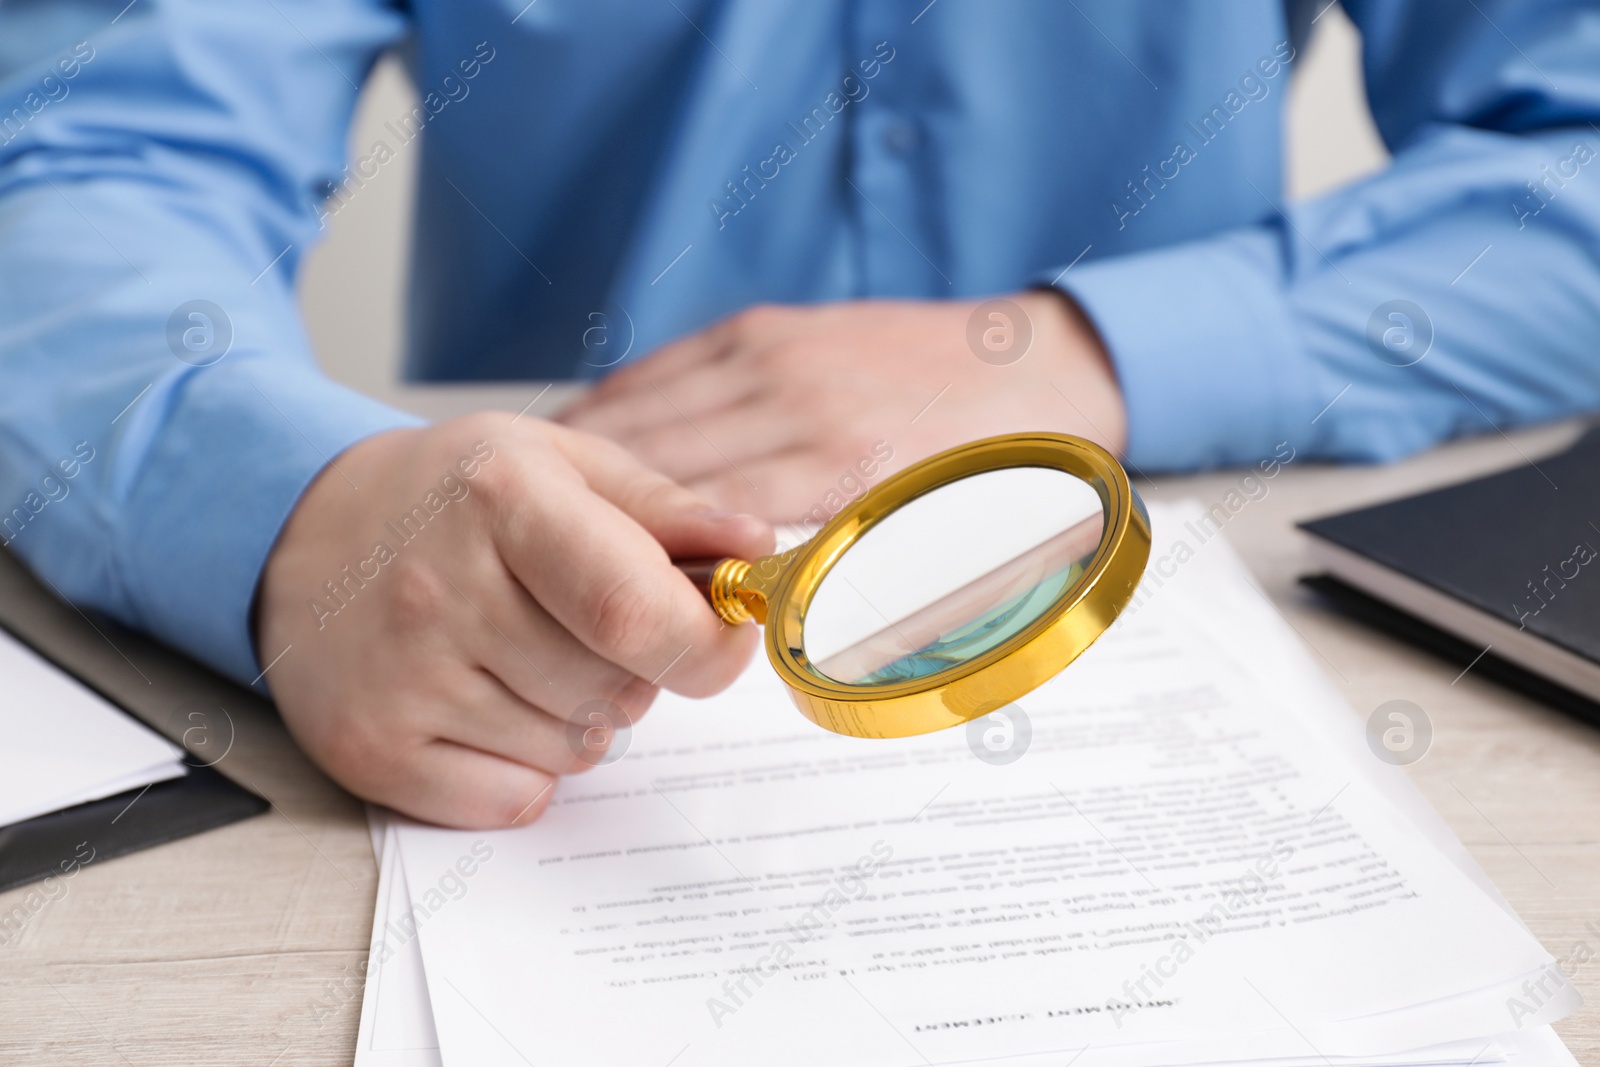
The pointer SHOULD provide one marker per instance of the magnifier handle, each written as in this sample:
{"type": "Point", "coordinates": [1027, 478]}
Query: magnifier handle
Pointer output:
{"type": "Point", "coordinates": [720, 581]}
{"type": "Point", "coordinates": [699, 571]}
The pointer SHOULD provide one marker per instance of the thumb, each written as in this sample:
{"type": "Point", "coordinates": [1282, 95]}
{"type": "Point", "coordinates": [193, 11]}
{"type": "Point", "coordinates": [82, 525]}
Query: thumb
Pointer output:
{"type": "Point", "coordinates": [684, 524]}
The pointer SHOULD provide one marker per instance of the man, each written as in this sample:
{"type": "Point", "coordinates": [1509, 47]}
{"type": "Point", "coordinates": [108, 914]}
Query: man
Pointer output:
{"type": "Point", "coordinates": [604, 184]}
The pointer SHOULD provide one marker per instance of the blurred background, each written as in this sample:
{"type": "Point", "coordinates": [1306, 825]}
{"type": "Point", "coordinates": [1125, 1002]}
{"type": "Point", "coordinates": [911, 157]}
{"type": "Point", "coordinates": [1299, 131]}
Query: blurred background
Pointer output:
{"type": "Point", "coordinates": [353, 284]}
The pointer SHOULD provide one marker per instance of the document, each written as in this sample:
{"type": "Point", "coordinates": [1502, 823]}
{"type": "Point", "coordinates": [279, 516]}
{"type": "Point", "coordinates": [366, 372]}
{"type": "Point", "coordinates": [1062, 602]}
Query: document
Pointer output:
{"type": "Point", "coordinates": [64, 743]}
{"type": "Point", "coordinates": [396, 1017]}
{"type": "Point", "coordinates": [1170, 853]}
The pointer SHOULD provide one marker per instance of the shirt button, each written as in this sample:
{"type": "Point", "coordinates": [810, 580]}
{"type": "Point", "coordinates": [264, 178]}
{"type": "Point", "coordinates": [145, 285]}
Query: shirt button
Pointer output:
{"type": "Point", "coordinates": [899, 137]}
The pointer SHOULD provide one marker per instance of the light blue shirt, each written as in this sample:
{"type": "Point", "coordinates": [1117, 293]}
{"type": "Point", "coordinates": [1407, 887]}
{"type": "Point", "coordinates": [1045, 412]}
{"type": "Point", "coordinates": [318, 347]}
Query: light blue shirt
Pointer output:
{"type": "Point", "coordinates": [165, 165]}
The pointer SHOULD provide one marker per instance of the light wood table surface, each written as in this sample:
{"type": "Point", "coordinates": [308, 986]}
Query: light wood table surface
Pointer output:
{"type": "Point", "coordinates": [244, 945]}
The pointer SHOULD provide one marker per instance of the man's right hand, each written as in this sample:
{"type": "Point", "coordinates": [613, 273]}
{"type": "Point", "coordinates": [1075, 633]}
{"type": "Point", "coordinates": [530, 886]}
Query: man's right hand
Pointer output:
{"type": "Point", "coordinates": [456, 599]}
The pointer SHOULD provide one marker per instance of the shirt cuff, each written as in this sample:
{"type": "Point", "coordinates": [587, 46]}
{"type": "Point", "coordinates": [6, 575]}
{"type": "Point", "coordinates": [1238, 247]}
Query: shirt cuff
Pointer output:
{"type": "Point", "coordinates": [1205, 349]}
{"type": "Point", "coordinates": [234, 453]}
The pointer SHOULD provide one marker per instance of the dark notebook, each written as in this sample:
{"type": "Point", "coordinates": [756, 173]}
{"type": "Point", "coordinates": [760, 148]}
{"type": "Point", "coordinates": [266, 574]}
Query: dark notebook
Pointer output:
{"type": "Point", "coordinates": [1502, 572]}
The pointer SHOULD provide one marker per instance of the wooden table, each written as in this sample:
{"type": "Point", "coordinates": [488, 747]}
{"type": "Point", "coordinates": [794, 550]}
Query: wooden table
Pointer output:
{"type": "Point", "coordinates": [244, 945]}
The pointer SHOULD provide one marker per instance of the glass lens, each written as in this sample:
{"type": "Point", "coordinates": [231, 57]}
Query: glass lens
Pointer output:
{"type": "Point", "coordinates": [952, 575]}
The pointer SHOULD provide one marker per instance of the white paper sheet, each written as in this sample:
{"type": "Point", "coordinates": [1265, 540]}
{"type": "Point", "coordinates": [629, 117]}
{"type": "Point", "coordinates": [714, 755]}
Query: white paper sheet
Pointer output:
{"type": "Point", "coordinates": [503, 981]}
{"type": "Point", "coordinates": [64, 744]}
{"type": "Point", "coordinates": [396, 1027]}
{"type": "Point", "coordinates": [394, 973]}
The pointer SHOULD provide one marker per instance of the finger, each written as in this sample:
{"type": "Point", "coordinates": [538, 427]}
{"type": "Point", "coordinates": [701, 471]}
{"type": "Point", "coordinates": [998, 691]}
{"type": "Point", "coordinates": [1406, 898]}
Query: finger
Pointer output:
{"type": "Point", "coordinates": [639, 407]}
{"type": "Point", "coordinates": [799, 485]}
{"type": "Point", "coordinates": [535, 657]}
{"type": "Point", "coordinates": [665, 363]}
{"type": "Point", "coordinates": [680, 521]}
{"type": "Point", "coordinates": [491, 718]}
{"type": "Point", "coordinates": [729, 440]}
{"type": "Point", "coordinates": [453, 785]}
{"type": "Point", "coordinates": [608, 581]}
{"type": "Point", "coordinates": [504, 631]}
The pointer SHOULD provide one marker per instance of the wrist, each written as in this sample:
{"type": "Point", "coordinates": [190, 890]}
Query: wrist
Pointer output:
{"type": "Point", "coordinates": [1070, 353]}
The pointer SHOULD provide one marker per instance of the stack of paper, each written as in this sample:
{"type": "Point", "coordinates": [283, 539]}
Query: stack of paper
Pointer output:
{"type": "Point", "coordinates": [63, 744]}
{"type": "Point", "coordinates": [1195, 860]}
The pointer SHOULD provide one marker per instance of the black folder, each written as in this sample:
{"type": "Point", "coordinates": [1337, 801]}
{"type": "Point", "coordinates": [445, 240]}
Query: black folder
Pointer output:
{"type": "Point", "coordinates": [60, 842]}
{"type": "Point", "coordinates": [1500, 573]}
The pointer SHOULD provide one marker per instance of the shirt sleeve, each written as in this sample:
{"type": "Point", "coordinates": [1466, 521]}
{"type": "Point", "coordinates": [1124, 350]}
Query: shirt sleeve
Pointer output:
{"type": "Point", "coordinates": [1456, 292]}
{"type": "Point", "coordinates": [161, 413]}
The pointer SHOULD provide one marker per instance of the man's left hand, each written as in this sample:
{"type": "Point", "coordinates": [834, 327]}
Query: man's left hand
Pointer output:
{"type": "Point", "coordinates": [766, 410]}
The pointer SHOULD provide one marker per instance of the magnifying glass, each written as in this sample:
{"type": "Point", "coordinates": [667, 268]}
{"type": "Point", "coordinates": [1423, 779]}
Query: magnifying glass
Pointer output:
{"type": "Point", "coordinates": [949, 590]}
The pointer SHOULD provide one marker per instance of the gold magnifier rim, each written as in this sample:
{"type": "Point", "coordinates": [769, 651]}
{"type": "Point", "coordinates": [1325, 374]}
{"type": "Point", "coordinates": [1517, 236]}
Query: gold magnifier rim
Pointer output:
{"type": "Point", "coordinates": [1005, 673]}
